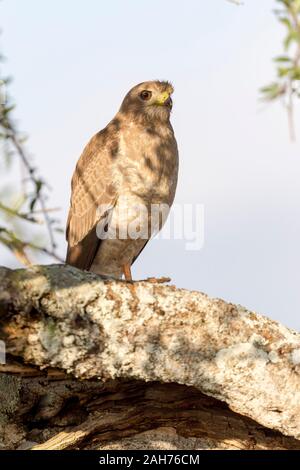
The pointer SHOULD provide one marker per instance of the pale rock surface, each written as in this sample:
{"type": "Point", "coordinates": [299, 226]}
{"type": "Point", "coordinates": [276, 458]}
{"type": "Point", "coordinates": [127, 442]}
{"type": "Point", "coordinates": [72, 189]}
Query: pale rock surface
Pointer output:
{"type": "Point", "coordinates": [59, 317]}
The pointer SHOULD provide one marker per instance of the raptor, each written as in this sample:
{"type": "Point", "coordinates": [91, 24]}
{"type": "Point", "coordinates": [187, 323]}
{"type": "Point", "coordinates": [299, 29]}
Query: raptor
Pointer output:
{"type": "Point", "coordinates": [126, 170]}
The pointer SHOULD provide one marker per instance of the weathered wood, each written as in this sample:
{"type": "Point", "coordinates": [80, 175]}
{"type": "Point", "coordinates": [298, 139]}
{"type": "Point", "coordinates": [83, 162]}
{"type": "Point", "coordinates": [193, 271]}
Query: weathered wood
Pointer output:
{"type": "Point", "coordinates": [51, 412]}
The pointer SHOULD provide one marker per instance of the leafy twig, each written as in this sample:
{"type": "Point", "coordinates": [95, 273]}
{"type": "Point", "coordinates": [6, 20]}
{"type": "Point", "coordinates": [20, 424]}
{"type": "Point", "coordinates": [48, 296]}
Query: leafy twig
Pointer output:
{"type": "Point", "coordinates": [18, 246]}
{"type": "Point", "coordinates": [14, 146]}
{"type": "Point", "coordinates": [36, 182]}
{"type": "Point", "coordinates": [288, 65]}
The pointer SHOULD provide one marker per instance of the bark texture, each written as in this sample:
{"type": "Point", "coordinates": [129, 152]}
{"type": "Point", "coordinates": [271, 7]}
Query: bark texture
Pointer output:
{"type": "Point", "coordinates": [81, 351]}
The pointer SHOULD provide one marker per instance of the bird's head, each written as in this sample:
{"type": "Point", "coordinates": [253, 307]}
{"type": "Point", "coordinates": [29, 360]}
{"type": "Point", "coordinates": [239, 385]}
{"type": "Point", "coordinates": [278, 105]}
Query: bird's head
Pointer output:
{"type": "Point", "coordinates": [151, 100]}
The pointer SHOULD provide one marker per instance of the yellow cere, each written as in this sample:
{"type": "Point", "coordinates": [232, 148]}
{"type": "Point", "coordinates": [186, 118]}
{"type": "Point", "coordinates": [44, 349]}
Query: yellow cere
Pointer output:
{"type": "Point", "coordinates": [163, 97]}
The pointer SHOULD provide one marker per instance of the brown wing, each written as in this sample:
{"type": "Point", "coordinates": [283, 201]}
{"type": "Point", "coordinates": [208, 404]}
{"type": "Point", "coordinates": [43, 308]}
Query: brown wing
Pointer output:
{"type": "Point", "coordinates": [93, 193]}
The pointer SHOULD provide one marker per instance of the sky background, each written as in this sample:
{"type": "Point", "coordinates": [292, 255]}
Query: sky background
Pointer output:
{"type": "Point", "coordinates": [73, 61]}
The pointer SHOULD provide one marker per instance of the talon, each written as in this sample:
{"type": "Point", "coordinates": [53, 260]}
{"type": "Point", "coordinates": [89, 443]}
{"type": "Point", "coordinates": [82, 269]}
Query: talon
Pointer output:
{"type": "Point", "coordinates": [160, 280]}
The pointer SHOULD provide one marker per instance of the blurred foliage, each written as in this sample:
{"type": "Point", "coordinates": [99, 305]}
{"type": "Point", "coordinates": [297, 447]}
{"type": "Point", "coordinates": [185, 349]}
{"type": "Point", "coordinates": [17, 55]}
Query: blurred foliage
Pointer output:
{"type": "Point", "coordinates": [26, 203]}
{"type": "Point", "coordinates": [286, 87]}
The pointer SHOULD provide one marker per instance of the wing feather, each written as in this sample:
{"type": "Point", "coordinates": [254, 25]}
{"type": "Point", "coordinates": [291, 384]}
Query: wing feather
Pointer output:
{"type": "Point", "coordinates": [92, 190]}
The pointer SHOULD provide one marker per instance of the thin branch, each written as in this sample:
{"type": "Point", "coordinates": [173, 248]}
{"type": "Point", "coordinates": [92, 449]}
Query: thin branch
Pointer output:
{"type": "Point", "coordinates": [13, 143]}
{"type": "Point", "coordinates": [288, 66]}
{"type": "Point", "coordinates": [15, 213]}
{"type": "Point", "coordinates": [31, 172]}
{"type": "Point", "coordinates": [47, 252]}
{"type": "Point", "coordinates": [49, 209]}
{"type": "Point", "coordinates": [290, 113]}
{"type": "Point", "coordinates": [18, 247]}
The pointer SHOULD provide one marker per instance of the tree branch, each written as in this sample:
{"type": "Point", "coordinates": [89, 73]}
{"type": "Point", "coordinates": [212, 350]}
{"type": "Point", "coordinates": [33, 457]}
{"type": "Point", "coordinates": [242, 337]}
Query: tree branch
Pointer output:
{"type": "Point", "coordinates": [105, 330]}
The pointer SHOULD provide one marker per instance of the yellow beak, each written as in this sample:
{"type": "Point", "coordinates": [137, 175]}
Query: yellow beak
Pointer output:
{"type": "Point", "coordinates": [163, 98]}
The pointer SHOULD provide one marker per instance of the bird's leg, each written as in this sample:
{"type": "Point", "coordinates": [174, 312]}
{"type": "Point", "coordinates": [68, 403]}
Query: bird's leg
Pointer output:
{"type": "Point", "coordinates": [127, 272]}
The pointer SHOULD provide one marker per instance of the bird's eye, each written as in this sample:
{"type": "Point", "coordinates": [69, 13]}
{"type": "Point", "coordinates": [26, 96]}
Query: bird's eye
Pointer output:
{"type": "Point", "coordinates": [145, 95]}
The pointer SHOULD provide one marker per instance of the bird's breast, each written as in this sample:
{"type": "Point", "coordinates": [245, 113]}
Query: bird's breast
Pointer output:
{"type": "Point", "coordinates": [147, 166]}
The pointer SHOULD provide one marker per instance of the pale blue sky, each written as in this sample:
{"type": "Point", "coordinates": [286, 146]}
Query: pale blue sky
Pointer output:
{"type": "Point", "coordinates": [72, 63]}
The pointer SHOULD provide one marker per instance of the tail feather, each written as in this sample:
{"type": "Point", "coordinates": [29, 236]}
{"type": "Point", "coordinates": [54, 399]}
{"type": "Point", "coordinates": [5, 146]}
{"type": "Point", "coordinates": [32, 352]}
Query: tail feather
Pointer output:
{"type": "Point", "coordinates": [83, 254]}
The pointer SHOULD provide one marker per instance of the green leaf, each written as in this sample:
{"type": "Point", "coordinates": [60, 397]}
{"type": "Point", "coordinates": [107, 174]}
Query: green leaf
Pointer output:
{"type": "Point", "coordinates": [287, 22]}
{"type": "Point", "coordinates": [272, 91]}
{"type": "Point", "coordinates": [282, 58]}
{"type": "Point", "coordinates": [292, 37]}
{"type": "Point", "coordinates": [295, 73]}
{"type": "Point", "coordinates": [7, 110]}
{"type": "Point", "coordinates": [38, 187]}
{"type": "Point", "coordinates": [33, 203]}
{"type": "Point", "coordinates": [296, 6]}
{"type": "Point", "coordinates": [283, 71]}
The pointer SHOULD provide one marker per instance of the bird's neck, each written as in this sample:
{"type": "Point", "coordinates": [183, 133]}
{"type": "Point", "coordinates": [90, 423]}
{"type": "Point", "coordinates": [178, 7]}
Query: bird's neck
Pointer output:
{"type": "Point", "coordinates": [152, 121]}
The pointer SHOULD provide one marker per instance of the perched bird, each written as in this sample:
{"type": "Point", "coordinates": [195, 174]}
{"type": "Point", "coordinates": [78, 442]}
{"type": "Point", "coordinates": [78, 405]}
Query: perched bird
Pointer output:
{"type": "Point", "coordinates": [126, 170]}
